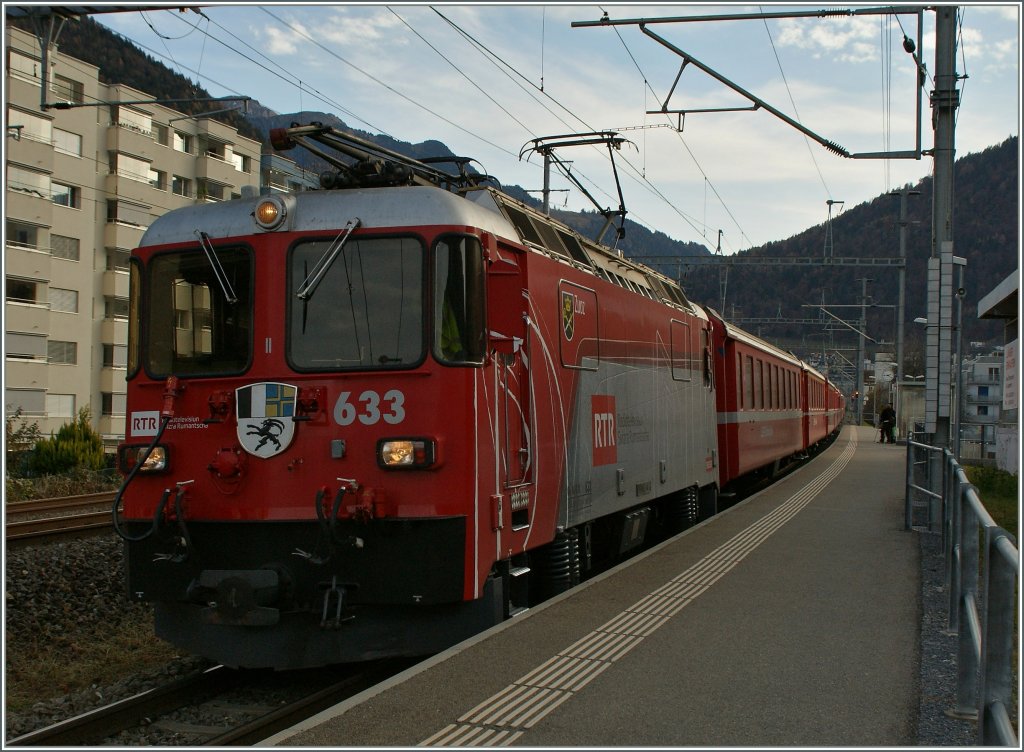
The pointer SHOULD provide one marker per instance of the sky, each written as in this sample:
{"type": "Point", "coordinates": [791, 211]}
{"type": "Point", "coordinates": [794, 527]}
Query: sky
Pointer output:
{"type": "Point", "coordinates": [488, 79]}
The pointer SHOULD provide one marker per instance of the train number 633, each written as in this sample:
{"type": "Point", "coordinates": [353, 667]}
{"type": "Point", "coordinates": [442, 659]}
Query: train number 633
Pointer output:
{"type": "Point", "coordinates": [369, 408]}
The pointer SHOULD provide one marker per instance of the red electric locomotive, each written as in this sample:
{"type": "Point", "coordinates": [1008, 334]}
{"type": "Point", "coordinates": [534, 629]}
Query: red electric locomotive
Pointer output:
{"type": "Point", "coordinates": [374, 419]}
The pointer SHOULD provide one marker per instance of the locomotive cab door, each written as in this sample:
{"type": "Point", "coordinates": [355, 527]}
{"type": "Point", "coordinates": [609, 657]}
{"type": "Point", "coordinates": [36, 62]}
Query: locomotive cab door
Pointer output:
{"type": "Point", "coordinates": [510, 338]}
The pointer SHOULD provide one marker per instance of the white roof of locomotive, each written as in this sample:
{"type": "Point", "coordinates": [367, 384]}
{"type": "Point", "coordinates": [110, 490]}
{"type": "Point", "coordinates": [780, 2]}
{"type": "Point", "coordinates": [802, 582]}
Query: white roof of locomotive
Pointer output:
{"type": "Point", "coordinates": [327, 210]}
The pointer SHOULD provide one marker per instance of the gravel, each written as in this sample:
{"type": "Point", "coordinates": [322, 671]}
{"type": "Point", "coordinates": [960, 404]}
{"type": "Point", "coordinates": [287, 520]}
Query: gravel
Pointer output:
{"type": "Point", "coordinates": [55, 589]}
{"type": "Point", "coordinates": [938, 656]}
{"type": "Point", "coordinates": [58, 594]}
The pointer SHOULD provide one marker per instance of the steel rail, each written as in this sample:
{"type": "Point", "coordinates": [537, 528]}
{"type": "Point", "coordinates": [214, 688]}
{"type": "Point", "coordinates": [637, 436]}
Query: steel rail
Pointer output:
{"type": "Point", "coordinates": [101, 723]}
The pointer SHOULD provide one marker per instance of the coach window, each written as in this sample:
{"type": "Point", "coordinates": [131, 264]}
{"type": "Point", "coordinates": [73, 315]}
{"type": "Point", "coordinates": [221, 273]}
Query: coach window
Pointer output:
{"type": "Point", "coordinates": [458, 310]}
{"type": "Point", "coordinates": [758, 386]}
{"type": "Point", "coordinates": [192, 327]}
{"type": "Point", "coordinates": [366, 311]}
{"type": "Point", "coordinates": [748, 382]}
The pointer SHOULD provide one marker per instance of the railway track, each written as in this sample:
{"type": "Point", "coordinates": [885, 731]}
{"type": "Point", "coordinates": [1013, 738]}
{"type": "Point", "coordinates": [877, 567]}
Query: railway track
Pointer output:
{"type": "Point", "coordinates": [49, 518]}
{"type": "Point", "coordinates": [246, 703]}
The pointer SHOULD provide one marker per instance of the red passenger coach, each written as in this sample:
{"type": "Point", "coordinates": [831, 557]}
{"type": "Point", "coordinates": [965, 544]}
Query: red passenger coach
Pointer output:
{"type": "Point", "coordinates": [760, 407]}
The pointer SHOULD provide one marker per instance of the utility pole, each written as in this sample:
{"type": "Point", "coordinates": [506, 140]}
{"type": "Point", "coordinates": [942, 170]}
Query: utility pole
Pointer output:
{"type": "Point", "coordinates": [944, 102]}
{"type": "Point", "coordinates": [901, 305]}
{"type": "Point", "coordinates": [860, 348]}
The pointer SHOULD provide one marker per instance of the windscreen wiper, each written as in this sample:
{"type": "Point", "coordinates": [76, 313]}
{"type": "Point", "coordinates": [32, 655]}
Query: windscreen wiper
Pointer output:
{"type": "Point", "coordinates": [218, 268]}
{"type": "Point", "coordinates": [313, 279]}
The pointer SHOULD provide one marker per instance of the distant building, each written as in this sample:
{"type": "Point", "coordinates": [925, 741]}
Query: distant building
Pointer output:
{"type": "Point", "coordinates": [82, 185]}
{"type": "Point", "coordinates": [1003, 303]}
{"type": "Point", "coordinates": [980, 406]}
{"type": "Point", "coordinates": [279, 174]}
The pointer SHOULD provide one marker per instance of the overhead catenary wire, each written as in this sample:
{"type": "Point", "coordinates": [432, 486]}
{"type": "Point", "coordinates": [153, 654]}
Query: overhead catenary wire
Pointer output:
{"type": "Point", "coordinates": [482, 48]}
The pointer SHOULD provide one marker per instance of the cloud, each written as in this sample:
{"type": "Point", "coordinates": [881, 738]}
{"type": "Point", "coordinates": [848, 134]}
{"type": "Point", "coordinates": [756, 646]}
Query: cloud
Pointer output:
{"type": "Point", "coordinates": [284, 41]}
{"type": "Point", "coordinates": [847, 40]}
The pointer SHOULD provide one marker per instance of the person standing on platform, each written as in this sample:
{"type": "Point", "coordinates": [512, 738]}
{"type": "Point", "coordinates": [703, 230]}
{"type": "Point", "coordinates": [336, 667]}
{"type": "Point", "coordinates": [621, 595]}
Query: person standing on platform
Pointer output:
{"type": "Point", "coordinates": [888, 421]}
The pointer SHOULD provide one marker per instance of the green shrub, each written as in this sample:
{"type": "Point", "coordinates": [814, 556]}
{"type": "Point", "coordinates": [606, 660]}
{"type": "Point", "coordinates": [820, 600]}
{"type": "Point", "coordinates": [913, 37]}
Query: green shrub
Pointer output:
{"type": "Point", "coordinates": [19, 438]}
{"type": "Point", "coordinates": [76, 445]}
{"type": "Point", "coordinates": [993, 480]}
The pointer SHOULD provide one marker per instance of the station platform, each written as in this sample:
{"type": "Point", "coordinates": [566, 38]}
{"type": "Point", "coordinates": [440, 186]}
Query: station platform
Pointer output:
{"type": "Point", "coordinates": [790, 619]}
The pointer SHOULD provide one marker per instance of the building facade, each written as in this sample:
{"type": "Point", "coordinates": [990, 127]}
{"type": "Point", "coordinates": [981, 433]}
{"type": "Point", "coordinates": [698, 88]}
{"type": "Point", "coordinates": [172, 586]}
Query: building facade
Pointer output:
{"type": "Point", "coordinates": [980, 406]}
{"type": "Point", "coordinates": [82, 184]}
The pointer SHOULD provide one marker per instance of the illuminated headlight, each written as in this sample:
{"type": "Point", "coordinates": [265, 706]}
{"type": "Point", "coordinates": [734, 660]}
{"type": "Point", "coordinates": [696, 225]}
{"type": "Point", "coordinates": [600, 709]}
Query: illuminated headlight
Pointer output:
{"type": "Point", "coordinates": [270, 212]}
{"type": "Point", "coordinates": [129, 456]}
{"type": "Point", "coordinates": [405, 453]}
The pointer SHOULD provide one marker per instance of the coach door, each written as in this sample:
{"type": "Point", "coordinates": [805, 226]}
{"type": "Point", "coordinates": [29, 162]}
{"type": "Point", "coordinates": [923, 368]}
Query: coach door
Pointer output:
{"type": "Point", "coordinates": [510, 339]}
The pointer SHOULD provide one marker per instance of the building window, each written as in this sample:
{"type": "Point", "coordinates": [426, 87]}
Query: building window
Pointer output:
{"type": "Point", "coordinates": [62, 353]}
{"type": "Point", "coordinates": [64, 247]}
{"type": "Point", "coordinates": [113, 404]}
{"type": "Point", "coordinates": [117, 260]}
{"type": "Point", "coordinates": [60, 405]}
{"type": "Point", "coordinates": [67, 142]}
{"type": "Point", "coordinates": [209, 190]}
{"type": "Point", "coordinates": [982, 409]}
{"type": "Point", "coordinates": [23, 66]}
{"type": "Point", "coordinates": [241, 162]}
{"type": "Point", "coordinates": [115, 356]}
{"type": "Point", "coordinates": [993, 374]}
{"type": "Point", "coordinates": [64, 301]}
{"type": "Point", "coordinates": [982, 391]}
{"type": "Point", "coordinates": [115, 308]}
{"type": "Point", "coordinates": [33, 127]}
{"type": "Point", "coordinates": [181, 186]}
{"type": "Point", "coordinates": [31, 401]}
{"type": "Point", "coordinates": [66, 195]}
{"type": "Point", "coordinates": [133, 120]}
{"type": "Point", "coordinates": [125, 213]}
{"type": "Point", "coordinates": [160, 133]}
{"type": "Point", "coordinates": [21, 290]}
{"type": "Point", "coordinates": [182, 142]}
{"type": "Point", "coordinates": [25, 346]}
{"type": "Point", "coordinates": [68, 90]}
{"type": "Point", "coordinates": [158, 179]}
{"type": "Point", "coordinates": [28, 181]}
{"type": "Point", "coordinates": [21, 235]}
{"type": "Point", "coordinates": [132, 168]}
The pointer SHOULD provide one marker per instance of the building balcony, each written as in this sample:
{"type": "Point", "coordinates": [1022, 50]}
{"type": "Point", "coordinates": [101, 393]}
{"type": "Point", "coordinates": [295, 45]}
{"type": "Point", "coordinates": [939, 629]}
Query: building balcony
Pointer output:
{"type": "Point", "coordinates": [30, 207]}
{"type": "Point", "coordinates": [130, 189]}
{"type": "Point", "coordinates": [989, 399]}
{"type": "Point", "coordinates": [25, 373]}
{"type": "Point", "coordinates": [119, 235]}
{"type": "Point", "coordinates": [217, 170]}
{"type": "Point", "coordinates": [31, 153]}
{"type": "Point", "coordinates": [111, 428]}
{"type": "Point", "coordinates": [115, 284]}
{"type": "Point", "coordinates": [112, 380]}
{"type": "Point", "coordinates": [26, 261]}
{"type": "Point", "coordinates": [127, 141]}
{"type": "Point", "coordinates": [114, 331]}
{"type": "Point", "coordinates": [30, 318]}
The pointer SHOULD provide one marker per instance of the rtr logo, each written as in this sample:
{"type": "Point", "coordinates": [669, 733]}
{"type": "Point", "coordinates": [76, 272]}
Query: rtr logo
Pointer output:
{"type": "Point", "coordinates": [602, 409]}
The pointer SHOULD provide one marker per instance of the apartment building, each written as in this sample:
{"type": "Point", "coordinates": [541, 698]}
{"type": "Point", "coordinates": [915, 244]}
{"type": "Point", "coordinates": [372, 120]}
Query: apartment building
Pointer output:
{"type": "Point", "coordinates": [81, 186]}
{"type": "Point", "coordinates": [980, 403]}
{"type": "Point", "coordinates": [279, 174]}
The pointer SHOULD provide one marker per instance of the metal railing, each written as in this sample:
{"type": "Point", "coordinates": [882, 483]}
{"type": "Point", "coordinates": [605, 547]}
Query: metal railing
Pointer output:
{"type": "Point", "coordinates": [985, 625]}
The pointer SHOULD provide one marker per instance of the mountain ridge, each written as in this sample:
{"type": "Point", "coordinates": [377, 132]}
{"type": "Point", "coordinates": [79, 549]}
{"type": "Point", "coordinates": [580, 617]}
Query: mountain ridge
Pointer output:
{"type": "Point", "coordinates": [985, 232]}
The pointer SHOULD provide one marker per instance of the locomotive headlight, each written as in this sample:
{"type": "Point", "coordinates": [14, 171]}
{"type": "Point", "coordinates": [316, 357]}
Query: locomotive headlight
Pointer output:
{"type": "Point", "coordinates": [129, 456]}
{"type": "Point", "coordinates": [405, 453]}
{"type": "Point", "coordinates": [270, 212]}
